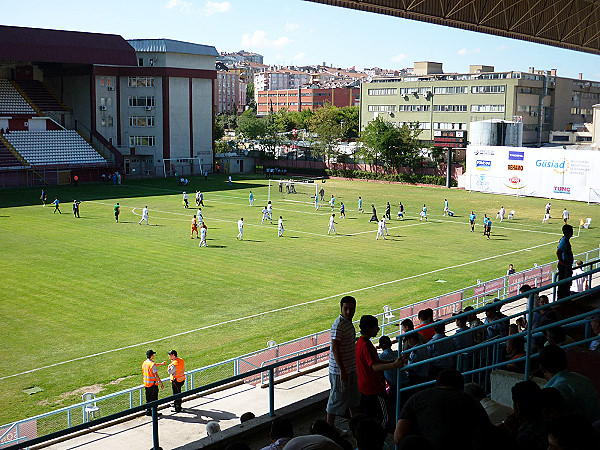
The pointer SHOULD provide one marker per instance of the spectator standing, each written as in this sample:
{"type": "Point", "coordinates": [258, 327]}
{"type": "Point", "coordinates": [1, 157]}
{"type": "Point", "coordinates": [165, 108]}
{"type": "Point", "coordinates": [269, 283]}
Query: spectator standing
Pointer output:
{"type": "Point", "coordinates": [176, 371]}
{"type": "Point", "coordinates": [565, 261]}
{"type": "Point", "coordinates": [151, 378]}
{"type": "Point", "coordinates": [440, 414]}
{"type": "Point", "coordinates": [579, 392]}
{"type": "Point", "coordinates": [390, 375]}
{"type": "Point", "coordinates": [369, 369]}
{"type": "Point", "coordinates": [344, 393]}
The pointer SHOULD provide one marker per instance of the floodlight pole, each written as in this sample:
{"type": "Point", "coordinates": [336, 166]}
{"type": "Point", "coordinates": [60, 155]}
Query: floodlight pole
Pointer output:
{"type": "Point", "coordinates": [448, 166]}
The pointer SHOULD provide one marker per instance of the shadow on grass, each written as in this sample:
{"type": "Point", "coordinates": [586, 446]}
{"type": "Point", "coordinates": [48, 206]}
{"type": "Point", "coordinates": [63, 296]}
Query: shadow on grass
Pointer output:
{"type": "Point", "coordinates": [149, 187]}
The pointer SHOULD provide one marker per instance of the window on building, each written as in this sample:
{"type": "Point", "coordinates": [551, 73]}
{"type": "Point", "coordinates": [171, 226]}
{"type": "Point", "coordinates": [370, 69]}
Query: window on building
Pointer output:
{"type": "Point", "coordinates": [102, 101]}
{"type": "Point", "coordinates": [488, 89]}
{"type": "Point", "coordinates": [109, 81]}
{"type": "Point", "coordinates": [382, 108]}
{"type": "Point", "coordinates": [141, 62]}
{"type": "Point", "coordinates": [140, 82]}
{"type": "Point", "coordinates": [450, 108]}
{"type": "Point", "coordinates": [389, 91]}
{"type": "Point", "coordinates": [102, 81]}
{"type": "Point", "coordinates": [110, 121]}
{"type": "Point", "coordinates": [449, 126]}
{"type": "Point", "coordinates": [141, 121]}
{"type": "Point", "coordinates": [109, 101]}
{"type": "Point", "coordinates": [142, 141]}
{"type": "Point", "coordinates": [451, 90]}
{"type": "Point", "coordinates": [487, 108]}
{"type": "Point", "coordinates": [528, 110]}
{"type": "Point", "coordinates": [414, 108]}
{"type": "Point", "coordinates": [414, 90]}
{"type": "Point", "coordinates": [141, 101]}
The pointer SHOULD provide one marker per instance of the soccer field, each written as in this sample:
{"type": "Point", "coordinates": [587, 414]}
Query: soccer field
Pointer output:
{"type": "Point", "coordinates": [83, 299]}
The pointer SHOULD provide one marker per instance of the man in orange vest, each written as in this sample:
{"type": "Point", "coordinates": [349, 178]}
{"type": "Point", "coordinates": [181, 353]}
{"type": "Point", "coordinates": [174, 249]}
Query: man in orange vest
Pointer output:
{"type": "Point", "coordinates": [176, 371]}
{"type": "Point", "coordinates": [151, 378]}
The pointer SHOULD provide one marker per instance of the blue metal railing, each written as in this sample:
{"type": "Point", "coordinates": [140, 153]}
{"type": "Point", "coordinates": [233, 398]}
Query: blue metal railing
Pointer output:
{"type": "Point", "coordinates": [286, 360]}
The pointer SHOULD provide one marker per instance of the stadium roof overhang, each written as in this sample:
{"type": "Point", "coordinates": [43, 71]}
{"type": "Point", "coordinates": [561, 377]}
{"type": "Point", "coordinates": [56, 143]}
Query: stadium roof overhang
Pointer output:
{"type": "Point", "coordinates": [570, 24]}
{"type": "Point", "coordinates": [65, 47]}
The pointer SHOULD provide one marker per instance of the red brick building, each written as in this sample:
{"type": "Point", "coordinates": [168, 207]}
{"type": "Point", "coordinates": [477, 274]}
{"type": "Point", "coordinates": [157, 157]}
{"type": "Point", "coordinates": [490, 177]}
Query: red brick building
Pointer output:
{"type": "Point", "coordinates": [305, 98]}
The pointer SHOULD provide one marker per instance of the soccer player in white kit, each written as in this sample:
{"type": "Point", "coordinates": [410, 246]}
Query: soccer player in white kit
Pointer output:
{"type": "Point", "coordinates": [203, 236]}
{"type": "Point", "coordinates": [240, 235]}
{"type": "Point", "coordinates": [270, 211]}
{"type": "Point", "coordinates": [197, 198]}
{"type": "Point", "coordinates": [280, 229]}
{"type": "Point", "coordinates": [383, 220]}
{"type": "Point", "coordinates": [265, 212]}
{"type": "Point", "coordinates": [565, 215]}
{"type": "Point", "coordinates": [380, 228]}
{"type": "Point", "coordinates": [332, 223]}
{"type": "Point", "coordinates": [185, 200]}
{"type": "Point", "coordinates": [144, 215]}
{"type": "Point", "coordinates": [199, 216]}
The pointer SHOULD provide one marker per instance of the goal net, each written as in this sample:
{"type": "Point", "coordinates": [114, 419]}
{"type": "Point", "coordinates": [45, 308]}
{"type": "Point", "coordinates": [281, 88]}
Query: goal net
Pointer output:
{"type": "Point", "coordinates": [183, 166]}
{"type": "Point", "coordinates": [302, 190]}
{"type": "Point", "coordinates": [594, 196]}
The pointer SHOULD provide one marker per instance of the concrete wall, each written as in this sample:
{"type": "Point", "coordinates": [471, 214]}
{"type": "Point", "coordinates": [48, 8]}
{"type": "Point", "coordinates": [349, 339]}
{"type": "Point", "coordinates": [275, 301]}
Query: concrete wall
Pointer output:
{"type": "Point", "coordinates": [179, 117]}
{"type": "Point", "coordinates": [502, 382]}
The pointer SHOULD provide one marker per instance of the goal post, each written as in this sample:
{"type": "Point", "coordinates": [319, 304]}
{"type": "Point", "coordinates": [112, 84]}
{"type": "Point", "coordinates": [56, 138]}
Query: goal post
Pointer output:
{"type": "Point", "coordinates": [594, 196]}
{"type": "Point", "coordinates": [183, 166]}
{"type": "Point", "coordinates": [302, 190]}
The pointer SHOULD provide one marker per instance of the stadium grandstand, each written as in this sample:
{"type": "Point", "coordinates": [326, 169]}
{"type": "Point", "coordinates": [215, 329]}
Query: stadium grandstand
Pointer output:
{"type": "Point", "coordinates": [295, 375]}
{"type": "Point", "coordinates": [90, 104]}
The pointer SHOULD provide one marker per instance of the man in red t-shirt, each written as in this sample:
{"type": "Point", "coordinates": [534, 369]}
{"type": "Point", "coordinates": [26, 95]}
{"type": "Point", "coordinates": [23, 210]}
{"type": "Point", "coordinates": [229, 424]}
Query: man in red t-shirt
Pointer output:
{"type": "Point", "coordinates": [369, 368]}
{"type": "Point", "coordinates": [426, 318]}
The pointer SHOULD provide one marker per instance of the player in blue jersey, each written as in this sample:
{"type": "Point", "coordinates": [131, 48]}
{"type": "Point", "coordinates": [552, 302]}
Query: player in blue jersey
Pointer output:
{"type": "Point", "coordinates": [472, 218]}
{"type": "Point", "coordinates": [400, 211]}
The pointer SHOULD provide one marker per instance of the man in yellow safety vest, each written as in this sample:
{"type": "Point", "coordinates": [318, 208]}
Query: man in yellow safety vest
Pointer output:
{"type": "Point", "coordinates": [151, 378]}
{"type": "Point", "coordinates": [176, 371]}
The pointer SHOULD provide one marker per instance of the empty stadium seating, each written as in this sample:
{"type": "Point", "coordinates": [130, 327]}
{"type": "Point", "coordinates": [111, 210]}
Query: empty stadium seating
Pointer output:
{"type": "Point", "coordinates": [53, 147]}
{"type": "Point", "coordinates": [39, 94]}
{"type": "Point", "coordinates": [7, 159]}
{"type": "Point", "coordinates": [11, 102]}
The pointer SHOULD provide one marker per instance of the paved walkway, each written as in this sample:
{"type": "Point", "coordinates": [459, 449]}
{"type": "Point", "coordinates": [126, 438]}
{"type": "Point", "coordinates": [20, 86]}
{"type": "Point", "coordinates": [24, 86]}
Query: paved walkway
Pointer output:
{"type": "Point", "coordinates": [177, 430]}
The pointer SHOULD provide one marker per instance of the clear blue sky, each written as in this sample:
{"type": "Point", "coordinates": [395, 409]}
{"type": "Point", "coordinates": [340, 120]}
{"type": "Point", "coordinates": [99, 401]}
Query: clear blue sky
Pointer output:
{"type": "Point", "coordinates": [299, 32]}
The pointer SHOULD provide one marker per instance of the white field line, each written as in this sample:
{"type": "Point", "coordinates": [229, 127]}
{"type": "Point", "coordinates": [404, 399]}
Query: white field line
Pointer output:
{"type": "Point", "coordinates": [264, 313]}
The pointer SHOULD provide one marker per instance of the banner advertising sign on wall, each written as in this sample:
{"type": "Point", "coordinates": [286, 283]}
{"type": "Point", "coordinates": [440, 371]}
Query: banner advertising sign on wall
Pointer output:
{"type": "Point", "coordinates": [536, 172]}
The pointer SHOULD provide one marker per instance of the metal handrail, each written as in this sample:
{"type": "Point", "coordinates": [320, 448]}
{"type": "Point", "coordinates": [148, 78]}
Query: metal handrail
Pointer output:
{"type": "Point", "coordinates": [239, 376]}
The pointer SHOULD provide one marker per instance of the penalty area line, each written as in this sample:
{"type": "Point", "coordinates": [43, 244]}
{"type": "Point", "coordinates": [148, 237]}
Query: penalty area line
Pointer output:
{"type": "Point", "coordinates": [265, 313]}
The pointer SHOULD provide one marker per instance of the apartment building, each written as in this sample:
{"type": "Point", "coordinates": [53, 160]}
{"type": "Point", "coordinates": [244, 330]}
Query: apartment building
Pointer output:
{"type": "Point", "coordinates": [451, 101]}
{"type": "Point", "coordinates": [305, 98]}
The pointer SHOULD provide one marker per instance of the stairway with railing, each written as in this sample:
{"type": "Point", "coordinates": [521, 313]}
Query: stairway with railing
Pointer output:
{"type": "Point", "coordinates": [7, 159]}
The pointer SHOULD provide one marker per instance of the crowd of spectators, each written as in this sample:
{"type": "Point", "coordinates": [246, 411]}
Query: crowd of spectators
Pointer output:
{"type": "Point", "coordinates": [563, 413]}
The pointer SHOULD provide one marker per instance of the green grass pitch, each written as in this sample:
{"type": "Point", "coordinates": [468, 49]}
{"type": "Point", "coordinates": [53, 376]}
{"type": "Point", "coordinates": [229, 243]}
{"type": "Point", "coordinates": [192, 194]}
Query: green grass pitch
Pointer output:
{"type": "Point", "coordinates": [71, 288]}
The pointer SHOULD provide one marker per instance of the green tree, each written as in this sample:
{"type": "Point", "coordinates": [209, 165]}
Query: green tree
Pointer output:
{"type": "Point", "coordinates": [218, 131]}
{"type": "Point", "coordinates": [326, 129]}
{"type": "Point", "coordinates": [227, 121]}
{"type": "Point", "coordinates": [348, 117]}
{"type": "Point", "coordinates": [250, 126]}
{"type": "Point", "coordinates": [394, 147]}
{"type": "Point", "coordinates": [250, 102]}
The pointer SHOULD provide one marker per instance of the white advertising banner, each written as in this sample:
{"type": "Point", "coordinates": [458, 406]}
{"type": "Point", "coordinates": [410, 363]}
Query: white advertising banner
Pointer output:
{"type": "Point", "coordinates": [536, 172]}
